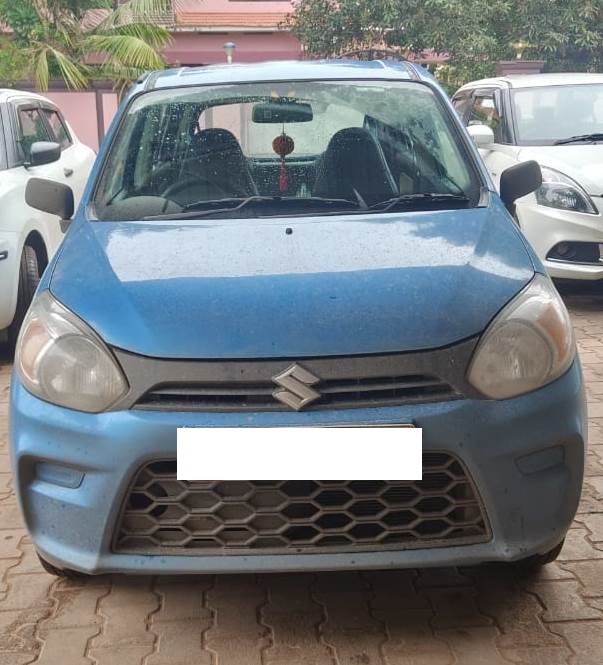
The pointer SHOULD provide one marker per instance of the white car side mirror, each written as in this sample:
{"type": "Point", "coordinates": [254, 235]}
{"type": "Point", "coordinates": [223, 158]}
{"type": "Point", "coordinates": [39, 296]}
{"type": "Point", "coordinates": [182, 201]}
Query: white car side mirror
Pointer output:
{"type": "Point", "coordinates": [482, 136]}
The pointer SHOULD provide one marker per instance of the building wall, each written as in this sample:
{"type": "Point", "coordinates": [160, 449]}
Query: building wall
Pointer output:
{"type": "Point", "coordinates": [207, 48]}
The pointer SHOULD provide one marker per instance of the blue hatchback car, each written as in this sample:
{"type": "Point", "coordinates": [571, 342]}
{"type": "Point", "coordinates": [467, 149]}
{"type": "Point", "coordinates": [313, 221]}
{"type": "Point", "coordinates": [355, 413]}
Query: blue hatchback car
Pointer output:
{"type": "Point", "coordinates": [293, 244]}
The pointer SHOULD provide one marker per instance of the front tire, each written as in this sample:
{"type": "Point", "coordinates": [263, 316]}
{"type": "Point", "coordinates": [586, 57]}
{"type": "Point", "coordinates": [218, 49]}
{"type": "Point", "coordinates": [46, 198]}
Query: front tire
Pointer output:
{"type": "Point", "coordinates": [29, 278]}
{"type": "Point", "coordinates": [60, 572]}
{"type": "Point", "coordinates": [538, 560]}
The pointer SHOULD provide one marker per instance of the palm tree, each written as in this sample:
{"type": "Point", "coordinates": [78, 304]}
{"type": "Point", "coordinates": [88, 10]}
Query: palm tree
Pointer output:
{"type": "Point", "coordinates": [82, 40]}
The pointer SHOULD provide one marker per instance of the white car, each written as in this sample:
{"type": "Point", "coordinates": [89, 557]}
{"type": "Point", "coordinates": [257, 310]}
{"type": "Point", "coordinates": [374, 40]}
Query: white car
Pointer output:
{"type": "Point", "coordinates": [557, 120]}
{"type": "Point", "coordinates": [35, 140]}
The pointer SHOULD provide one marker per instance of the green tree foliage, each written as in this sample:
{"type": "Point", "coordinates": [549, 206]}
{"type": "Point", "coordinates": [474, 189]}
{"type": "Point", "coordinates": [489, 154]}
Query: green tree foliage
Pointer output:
{"type": "Point", "coordinates": [568, 34]}
{"type": "Point", "coordinates": [73, 40]}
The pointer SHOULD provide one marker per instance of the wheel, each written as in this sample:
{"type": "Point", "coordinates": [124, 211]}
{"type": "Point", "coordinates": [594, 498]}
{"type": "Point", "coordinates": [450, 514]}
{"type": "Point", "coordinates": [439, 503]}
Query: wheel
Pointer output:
{"type": "Point", "coordinates": [539, 560]}
{"type": "Point", "coordinates": [60, 572]}
{"type": "Point", "coordinates": [29, 277]}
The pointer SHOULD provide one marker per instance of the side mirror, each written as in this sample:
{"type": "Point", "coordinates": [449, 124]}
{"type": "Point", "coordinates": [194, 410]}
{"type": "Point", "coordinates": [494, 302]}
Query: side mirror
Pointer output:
{"type": "Point", "coordinates": [482, 136]}
{"type": "Point", "coordinates": [44, 152]}
{"type": "Point", "coordinates": [519, 180]}
{"type": "Point", "coordinates": [50, 196]}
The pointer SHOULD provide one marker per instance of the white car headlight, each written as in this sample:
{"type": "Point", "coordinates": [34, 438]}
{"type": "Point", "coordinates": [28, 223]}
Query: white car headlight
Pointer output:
{"type": "Point", "coordinates": [61, 360]}
{"type": "Point", "coordinates": [560, 191]}
{"type": "Point", "coordinates": [529, 344]}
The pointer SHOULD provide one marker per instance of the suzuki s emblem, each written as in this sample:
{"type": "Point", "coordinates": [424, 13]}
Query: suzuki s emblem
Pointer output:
{"type": "Point", "coordinates": [295, 390]}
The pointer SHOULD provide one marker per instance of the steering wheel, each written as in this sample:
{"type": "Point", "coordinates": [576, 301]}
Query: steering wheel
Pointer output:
{"type": "Point", "coordinates": [191, 182]}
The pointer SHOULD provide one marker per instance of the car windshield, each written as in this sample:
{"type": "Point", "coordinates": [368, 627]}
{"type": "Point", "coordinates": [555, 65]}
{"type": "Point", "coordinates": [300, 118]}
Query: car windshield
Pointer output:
{"type": "Point", "coordinates": [550, 114]}
{"type": "Point", "coordinates": [284, 149]}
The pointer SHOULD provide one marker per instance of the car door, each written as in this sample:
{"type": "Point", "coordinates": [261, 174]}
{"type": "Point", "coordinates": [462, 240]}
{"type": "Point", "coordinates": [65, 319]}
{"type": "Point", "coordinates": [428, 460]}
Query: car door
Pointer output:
{"type": "Point", "coordinates": [487, 107]}
{"type": "Point", "coordinates": [76, 158]}
{"type": "Point", "coordinates": [30, 126]}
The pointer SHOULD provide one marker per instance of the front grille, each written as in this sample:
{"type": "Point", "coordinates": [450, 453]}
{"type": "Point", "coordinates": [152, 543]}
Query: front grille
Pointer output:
{"type": "Point", "coordinates": [163, 515]}
{"type": "Point", "coordinates": [367, 392]}
{"type": "Point", "coordinates": [165, 384]}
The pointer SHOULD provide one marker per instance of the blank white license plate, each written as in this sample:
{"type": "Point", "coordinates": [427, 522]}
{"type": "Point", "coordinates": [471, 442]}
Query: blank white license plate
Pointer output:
{"type": "Point", "coordinates": [300, 453]}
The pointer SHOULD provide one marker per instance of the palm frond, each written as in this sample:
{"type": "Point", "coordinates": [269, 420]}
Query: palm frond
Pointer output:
{"type": "Point", "coordinates": [153, 35]}
{"type": "Point", "coordinates": [125, 50]}
{"type": "Point", "coordinates": [40, 69]}
{"type": "Point", "coordinates": [74, 74]}
{"type": "Point", "coordinates": [135, 11]}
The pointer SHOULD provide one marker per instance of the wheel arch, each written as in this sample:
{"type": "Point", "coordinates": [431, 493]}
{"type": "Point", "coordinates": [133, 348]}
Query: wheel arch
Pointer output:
{"type": "Point", "coordinates": [35, 240]}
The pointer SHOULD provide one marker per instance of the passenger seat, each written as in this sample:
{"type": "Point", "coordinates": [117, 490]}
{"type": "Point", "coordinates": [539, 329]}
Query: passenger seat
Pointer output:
{"type": "Point", "coordinates": [352, 161]}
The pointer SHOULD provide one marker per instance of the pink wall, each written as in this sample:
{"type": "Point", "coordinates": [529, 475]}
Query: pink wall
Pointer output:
{"type": "Point", "coordinates": [110, 104]}
{"type": "Point", "coordinates": [207, 48]}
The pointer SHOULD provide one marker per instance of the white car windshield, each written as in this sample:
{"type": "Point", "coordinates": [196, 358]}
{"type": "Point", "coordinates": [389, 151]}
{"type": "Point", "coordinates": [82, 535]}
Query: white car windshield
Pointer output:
{"type": "Point", "coordinates": [561, 114]}
{"type": "Point", "coordinates": [285, 148]}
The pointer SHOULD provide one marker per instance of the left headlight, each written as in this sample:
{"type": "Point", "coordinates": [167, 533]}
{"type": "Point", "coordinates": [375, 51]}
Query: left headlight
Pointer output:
{"type": "Point", "coordinates": [529, 344]}
{"type": "Point", "coordinates": [560, 191]}
{"type": "Point", "coordinates": [61, 360]}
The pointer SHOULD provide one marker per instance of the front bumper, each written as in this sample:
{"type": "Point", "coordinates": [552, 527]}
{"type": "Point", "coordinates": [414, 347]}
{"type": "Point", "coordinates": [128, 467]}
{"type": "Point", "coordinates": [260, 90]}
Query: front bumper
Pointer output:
{"type": "Point", "coordinates": [526, 457]}
{"type": "Point", "coordinates": [546, 227]}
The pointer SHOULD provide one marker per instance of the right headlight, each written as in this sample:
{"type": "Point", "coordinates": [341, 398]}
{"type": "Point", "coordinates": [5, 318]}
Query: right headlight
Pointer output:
{"type": "Point", "coordinates": [560, 191]}
{"type": "Point", "coordinates": [529, 344]}
{"type": "Point", "coordinates": [62, 361]}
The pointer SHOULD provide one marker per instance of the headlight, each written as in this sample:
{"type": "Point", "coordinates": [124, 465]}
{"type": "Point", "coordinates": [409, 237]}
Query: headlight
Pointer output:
{"type": "Point", "coordinates": [529, 344]}
{"type": "Point", "coordinates": [560, 191]}
{"type": "Point", "coordinates": [60, 360]}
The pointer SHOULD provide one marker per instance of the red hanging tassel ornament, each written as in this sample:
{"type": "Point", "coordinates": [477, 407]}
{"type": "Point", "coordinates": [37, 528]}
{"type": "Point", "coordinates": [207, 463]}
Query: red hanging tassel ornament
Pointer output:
{"type": "Point", "coordinates": [283, 145]}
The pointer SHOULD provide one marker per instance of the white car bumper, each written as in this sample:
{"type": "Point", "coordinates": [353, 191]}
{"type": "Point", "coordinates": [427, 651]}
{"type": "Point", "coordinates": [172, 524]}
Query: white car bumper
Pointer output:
{"type": "Point", "coordinates": [547, 227]}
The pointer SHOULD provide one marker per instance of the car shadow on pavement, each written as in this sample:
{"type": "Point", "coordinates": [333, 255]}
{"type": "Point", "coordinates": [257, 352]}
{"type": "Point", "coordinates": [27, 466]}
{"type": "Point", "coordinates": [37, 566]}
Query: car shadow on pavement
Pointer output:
{"type": "Point", "coordinates": [493, 614]}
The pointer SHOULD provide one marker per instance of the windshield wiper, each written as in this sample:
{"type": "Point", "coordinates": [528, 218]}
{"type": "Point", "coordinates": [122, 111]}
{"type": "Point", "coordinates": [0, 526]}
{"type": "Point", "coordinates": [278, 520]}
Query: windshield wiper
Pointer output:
{"type": "Point", "coordinates": [194, 210]}
{"type": "Point", "coordinates": [586, 138]}
{"type": "Point", "coordinates": [423, 197]}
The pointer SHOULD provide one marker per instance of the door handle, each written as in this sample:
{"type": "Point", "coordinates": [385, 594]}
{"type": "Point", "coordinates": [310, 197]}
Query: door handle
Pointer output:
{"type": "Point", "coordinates": [68, 172]}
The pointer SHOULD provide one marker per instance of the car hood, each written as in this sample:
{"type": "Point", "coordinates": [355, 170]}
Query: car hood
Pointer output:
{"type": "Point", "coordinates": [583, 163]}
{"type": "Point", "coordinates": [328, 286]}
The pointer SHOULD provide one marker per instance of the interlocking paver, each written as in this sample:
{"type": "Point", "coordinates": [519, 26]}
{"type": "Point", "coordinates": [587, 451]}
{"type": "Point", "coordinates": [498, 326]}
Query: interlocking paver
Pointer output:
{"type": "Point", "coordinates": [563, 602]}
{"type": "Point", "coordinates": [350, 629]}
{"type": "Point", "coordinates": [578, 548]}
{"type": "Point", "coordinates": [589, 574]}
{"type": "Point", "coordinates": [457, 608]}
{"type": "Point", "coordinates": [444, 616]}
{"type": "Point", "coordinates": [407, 614]}
{"type": "Point", "coordinates": [236, 635]}
{"type": "Point", "coordinates": [516, 612]}
{"type": "Point", "coordinates": [180, 622]}
{"type": "Point", "coordinates": [586, 638]}
{"type": "Point", "coordinates": [293, 617]}
{"type": "Point", "coordinates": [475, 645]}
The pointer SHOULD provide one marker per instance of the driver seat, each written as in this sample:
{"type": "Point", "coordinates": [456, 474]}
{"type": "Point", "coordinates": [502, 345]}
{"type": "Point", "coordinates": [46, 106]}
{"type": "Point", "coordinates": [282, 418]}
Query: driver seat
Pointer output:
{"type": "Point", "coordinates": [352, 161]}
{"type": "Point", "coordinates": [216, 158]}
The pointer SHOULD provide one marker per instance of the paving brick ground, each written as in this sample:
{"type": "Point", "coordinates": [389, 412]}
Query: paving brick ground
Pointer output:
{"type": "Point", "coordinates": [478, 616]}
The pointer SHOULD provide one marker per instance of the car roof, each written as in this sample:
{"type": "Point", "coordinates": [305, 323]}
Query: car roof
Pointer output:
{"type": "Point", "coordinates": [9, 93]}
{"type": "Point", "coordinates": [287, 70]}
{"type": "Point", "coordinates": [536, 80]}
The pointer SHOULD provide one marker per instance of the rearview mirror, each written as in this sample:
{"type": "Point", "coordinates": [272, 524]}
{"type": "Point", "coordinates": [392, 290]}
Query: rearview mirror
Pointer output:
{"type": "Point", "coordinates": [44, 152]}
{"type": "Point", "coordinates": [50, 196]}
{"type": "Point", "coordinates": [482, 136]}
{"type": "Point", "coordinates": [282, 112]}
{"type": "Point", "coordinates": [518, 181]}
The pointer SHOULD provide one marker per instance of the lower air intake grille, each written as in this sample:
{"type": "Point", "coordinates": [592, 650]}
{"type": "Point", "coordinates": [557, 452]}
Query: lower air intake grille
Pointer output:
{"type": "Point", "coordinates": [163, 515]}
